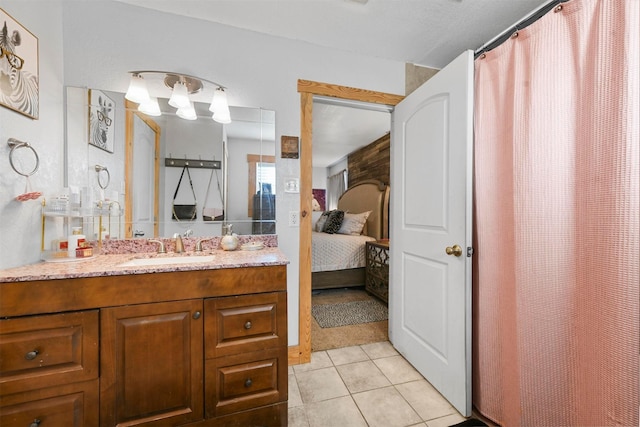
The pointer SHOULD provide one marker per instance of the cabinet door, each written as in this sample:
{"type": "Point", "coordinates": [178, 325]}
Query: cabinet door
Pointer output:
{"type": "Point", "coordinates": [151, 364]}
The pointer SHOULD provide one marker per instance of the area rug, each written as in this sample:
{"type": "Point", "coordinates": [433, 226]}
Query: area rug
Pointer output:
{"type": "Point", "coordinates": [349, 313]}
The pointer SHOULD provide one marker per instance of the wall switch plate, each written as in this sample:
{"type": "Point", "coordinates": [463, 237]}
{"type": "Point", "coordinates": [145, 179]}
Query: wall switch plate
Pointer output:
{"type": "Point", "coordinates": [294, 219]}
{"type": "Point", "coordinates": [292, 185]}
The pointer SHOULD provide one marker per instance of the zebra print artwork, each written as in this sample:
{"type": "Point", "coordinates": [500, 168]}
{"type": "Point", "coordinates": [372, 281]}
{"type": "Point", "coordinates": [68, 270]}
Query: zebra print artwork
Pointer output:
{"type": "Point", "coordinates": [101, 126]}
{"type": "Point", "coordinates": [19, 86]}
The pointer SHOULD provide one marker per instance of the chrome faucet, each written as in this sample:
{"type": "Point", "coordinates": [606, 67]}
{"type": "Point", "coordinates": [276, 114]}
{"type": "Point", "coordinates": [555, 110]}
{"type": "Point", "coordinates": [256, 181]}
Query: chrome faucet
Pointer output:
{"type": "Point", "coordinates": [198, 247]}
{"type": "Point", "coordinates": [179, 244]}
{"type": "Point", "coordinates": [161, 249]}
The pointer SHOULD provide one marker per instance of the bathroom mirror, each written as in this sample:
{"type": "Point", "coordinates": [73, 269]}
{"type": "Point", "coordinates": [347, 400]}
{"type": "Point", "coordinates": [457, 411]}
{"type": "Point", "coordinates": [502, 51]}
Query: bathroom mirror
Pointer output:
{"type": "Point", "coordinates": [117, 157]}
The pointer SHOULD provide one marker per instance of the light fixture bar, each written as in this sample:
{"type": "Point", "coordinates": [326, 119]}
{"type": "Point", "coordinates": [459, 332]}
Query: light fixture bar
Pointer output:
{"type": "Point", "coordinates": [182, 86]}
{"type": "Point", "coordinates": [192, 84]}
{"type": "Point", "coordinates": [141, 72]}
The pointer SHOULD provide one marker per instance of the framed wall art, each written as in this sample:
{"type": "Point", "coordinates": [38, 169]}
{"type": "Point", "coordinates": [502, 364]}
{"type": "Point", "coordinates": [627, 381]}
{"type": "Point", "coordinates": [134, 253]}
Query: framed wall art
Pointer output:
{"type": "Point", "coordinates": [289, 147]}
{"type": "Point", "coordinates": [319, 202]}
{"type": "Point", "coordinates": [101, 117]}
{"type": "Point", "coordinates": [19, 75]}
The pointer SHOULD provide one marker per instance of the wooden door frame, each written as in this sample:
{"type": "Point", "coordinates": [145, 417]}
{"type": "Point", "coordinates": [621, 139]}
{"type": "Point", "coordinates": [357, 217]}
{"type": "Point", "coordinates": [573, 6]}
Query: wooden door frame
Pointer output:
{"type": "Point", "coordinates": [131, 109]}
{"type": "Point", "coordinates": [307, 89]}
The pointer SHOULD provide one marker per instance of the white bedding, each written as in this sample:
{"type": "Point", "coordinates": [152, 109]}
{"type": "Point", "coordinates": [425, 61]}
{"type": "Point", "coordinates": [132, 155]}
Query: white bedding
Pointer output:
{"type": "Point", "coordinates": [337, 251]}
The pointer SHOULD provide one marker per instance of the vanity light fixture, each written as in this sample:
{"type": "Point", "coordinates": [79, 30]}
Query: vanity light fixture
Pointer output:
{"type": "Point", "coordinates": [219, 106]}
{"type": "Point", "coordinates": [188, 112]}
{"type": "Point", "coordinates": [150, 108]}
{"type": "Point", "coordinates": [179, 97]}
{"type": "Point", "coordinates": [137, 91]}
{"type": "Point", "coordinates": [183, 88]}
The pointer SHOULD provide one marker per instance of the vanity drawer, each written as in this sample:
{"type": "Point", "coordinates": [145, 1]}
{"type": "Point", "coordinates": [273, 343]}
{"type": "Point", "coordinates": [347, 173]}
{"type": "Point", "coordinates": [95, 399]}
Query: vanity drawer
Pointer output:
{"type": "Point", "coordinates": [43, 351]}
{"type": "Point", "coordinates": [245, 323]}
{"type": "Point", "coordinates": [245, 381]}
{"type": "Point", "coordinates": [72, 405]}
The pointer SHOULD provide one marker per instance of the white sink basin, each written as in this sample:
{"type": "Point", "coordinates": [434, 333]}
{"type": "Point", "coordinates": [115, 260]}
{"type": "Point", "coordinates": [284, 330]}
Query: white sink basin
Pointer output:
{"type": "Point", "coordinates": [144, 262]}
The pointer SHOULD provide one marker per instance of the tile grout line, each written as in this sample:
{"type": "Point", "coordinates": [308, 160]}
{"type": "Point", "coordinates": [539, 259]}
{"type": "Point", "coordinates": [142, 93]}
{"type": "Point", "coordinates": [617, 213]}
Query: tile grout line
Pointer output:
{"type": "Point", "coordinates": [351, 394]}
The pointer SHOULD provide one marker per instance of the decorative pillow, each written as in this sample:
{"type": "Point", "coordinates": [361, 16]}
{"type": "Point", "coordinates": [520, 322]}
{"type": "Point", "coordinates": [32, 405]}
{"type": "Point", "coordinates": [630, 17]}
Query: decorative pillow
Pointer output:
{"type": "Point", "coordinates": [321, 221]}
{"type": "Point", "coordinates": [334, 221]}
{"type": "Point", "coordinates": [354, 223]}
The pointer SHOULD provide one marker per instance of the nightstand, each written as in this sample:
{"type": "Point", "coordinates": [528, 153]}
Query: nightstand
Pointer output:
{"type": "Point", "coordinates": [377, 269]}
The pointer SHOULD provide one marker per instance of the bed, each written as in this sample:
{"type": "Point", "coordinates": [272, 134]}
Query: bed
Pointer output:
{"type": "Point", "coordinates": [338, 260]}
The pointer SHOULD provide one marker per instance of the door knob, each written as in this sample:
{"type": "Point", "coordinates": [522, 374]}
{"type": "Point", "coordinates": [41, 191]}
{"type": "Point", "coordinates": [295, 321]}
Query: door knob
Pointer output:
{"type": "Point", "coordinates": [454, 250]}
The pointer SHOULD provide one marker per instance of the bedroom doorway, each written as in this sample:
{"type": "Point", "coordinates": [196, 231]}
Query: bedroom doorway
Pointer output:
{"type": "Point", "coordinates": [307, 90]}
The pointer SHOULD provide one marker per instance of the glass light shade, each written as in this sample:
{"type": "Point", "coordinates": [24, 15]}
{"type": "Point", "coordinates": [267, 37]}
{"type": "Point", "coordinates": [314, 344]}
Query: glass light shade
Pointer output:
{"type": "Point", "coordinates": [179, 97]}
{"type": "Point", "coordinates": [223, 117]}
{"type": "Point", "coordinates": [219, 101]}
{"type": "Point", "coordinates": [150, 108]}
{"type": "Point", "coordinates": [137, 91]}
{"type": "Point", "coordinates": [188, 113]}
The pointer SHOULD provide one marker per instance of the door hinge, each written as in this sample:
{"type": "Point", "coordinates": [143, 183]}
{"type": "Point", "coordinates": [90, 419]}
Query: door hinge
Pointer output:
{"type": "Point", "coordinates": [469, 251]}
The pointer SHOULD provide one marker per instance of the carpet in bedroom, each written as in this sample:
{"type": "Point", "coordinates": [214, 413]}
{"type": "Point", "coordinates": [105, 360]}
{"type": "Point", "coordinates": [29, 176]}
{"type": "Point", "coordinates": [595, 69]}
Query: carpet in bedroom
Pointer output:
{"type": "Point", "coordinates": [345, 336]}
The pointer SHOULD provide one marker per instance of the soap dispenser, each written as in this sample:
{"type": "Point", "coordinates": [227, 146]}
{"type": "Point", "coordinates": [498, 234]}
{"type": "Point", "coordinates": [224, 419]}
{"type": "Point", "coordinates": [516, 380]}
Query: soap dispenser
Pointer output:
{"type": "Point", "coordinates": [229, 241]}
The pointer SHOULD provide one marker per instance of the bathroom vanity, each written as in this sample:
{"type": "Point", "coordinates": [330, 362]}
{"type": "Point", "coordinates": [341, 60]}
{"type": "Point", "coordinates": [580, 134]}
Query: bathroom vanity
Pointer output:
{"type": "Point", "coordinates": [103, 342]}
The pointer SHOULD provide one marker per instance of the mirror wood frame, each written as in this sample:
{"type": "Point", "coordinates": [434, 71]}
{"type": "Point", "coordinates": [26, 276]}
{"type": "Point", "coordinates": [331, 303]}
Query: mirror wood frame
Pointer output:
{"type": "Point", "coordinates": [130, 111]}
{"type": "Point", "coordinates": [308, 89]}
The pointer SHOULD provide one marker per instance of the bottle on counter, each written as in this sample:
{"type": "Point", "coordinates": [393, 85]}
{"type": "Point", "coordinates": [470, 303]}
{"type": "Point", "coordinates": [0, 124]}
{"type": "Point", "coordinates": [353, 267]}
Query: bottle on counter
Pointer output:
{"type": "Point", "coordinates": [229, 241]}
{"type": "Point", "coordinates": [76, 240]}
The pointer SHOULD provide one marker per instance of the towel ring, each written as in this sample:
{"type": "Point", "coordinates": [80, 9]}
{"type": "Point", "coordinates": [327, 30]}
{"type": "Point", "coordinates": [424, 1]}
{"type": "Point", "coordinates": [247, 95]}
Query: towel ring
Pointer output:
{"type": "Point", "coordinates": [100, 168]}
{"type": "Point", "coordinates": [15, 145]}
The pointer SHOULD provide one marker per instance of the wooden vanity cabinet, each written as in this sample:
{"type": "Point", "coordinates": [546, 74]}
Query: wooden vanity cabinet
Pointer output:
{"type": "Point", "coordinates": [246, 355]}
{"type": "Point", "coordinates": [151, 364]}
{"type": "Point", "coordinates": [49, 369]}
{"type": "Point", "coordinates": [196, 348]}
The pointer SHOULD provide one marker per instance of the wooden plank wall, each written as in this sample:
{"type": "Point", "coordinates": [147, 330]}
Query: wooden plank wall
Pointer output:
{"type": "Point", "coordinates": [371, 162]}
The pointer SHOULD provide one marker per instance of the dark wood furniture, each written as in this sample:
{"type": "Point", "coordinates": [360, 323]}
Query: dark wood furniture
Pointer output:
{"type": "Point", "coordinates": [377, 270]}
{"type": "Point", "coordinates": [206, 347]}
{"type": "Point", "coordinates": [264, 214]}
{"type": "Point", "coordinates": [369, 195]}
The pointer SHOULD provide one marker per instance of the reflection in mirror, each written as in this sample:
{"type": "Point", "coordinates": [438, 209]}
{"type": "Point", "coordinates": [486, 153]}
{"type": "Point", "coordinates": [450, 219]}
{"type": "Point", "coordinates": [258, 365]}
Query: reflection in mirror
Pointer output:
{"type": "Point", "coordinates": [239, 191]}
{"type": "Point", "coordinates": [142, 149]}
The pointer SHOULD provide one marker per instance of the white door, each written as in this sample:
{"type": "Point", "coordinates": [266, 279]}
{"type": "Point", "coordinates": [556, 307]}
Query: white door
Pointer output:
{"type": "Point", "coordinates": [430, 291]}
{"type": "Point", "coordinates": [144, 155]}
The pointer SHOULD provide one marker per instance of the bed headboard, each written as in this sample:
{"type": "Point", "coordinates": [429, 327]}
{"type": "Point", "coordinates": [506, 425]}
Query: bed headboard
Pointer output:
{"type": "Point", "coordinates": [370, 195]}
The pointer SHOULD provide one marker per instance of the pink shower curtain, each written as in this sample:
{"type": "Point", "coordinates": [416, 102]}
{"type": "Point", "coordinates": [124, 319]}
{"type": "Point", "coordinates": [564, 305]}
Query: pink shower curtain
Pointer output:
{"type": "Point", "coordinates": [556, 280]}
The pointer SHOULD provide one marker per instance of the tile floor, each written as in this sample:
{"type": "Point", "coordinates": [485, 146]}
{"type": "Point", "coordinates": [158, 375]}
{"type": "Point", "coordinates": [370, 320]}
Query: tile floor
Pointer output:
{"type": "Point", "coordinates": [365, 385]}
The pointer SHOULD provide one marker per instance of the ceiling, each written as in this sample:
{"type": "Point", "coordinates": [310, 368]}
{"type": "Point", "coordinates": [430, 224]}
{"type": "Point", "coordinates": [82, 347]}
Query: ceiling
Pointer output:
{"type": "Point", "coordinates": [423, 32]}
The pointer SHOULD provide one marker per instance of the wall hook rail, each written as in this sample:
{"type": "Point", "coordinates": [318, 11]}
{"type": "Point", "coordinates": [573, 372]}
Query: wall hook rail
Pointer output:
{"type": "Point", "coordinates": [192, 163]}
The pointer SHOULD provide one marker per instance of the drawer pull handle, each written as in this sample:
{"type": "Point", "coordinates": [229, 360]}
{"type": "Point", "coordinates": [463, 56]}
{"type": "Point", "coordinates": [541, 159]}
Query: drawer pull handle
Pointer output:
{"type": "Point", "coordinates": [248, 383]}
{"type": "Point", "coordinates": [35, 423]}
{"type": "Point", "coordinates": [248, 325]}
{"type": "Point", "coordinates": [30, 356]}
{"type": "Point", "coordinates": [197, 315]}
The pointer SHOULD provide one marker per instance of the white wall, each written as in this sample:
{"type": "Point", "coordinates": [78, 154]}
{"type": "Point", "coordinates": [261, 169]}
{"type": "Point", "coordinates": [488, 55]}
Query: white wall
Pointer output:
{"type": "Point", "coordinates": [204, 142]}
{"type": "Point", "coordinates": [319, 178]}
{"type": "Point", "coordinates": [105, 39]}
{"type": "Point", "coordinates": [20, 222]}
{"type": "Point", "coordinates": [339, 166]}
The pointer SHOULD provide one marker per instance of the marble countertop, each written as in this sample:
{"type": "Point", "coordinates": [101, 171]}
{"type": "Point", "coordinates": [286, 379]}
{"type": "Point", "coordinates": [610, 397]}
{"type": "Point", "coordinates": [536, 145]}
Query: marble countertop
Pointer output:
{"type": "Point", "coordinates": [110, 264]}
